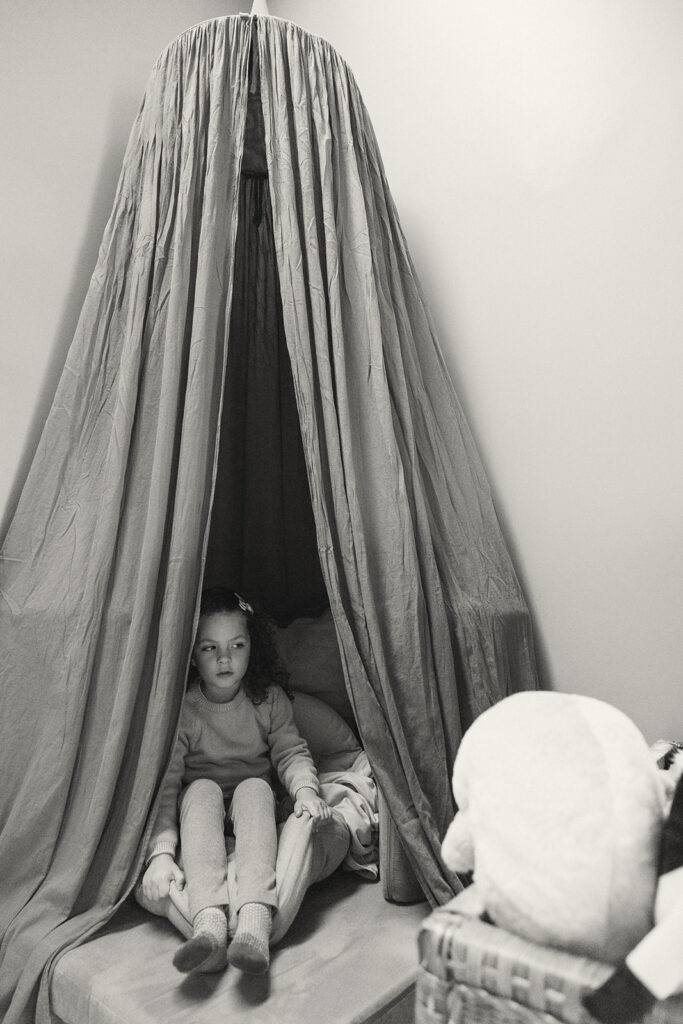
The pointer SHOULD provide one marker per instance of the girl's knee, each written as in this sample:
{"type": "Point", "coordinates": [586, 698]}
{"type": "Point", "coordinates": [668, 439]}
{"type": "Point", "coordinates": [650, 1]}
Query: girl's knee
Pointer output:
{"type": "Point", "coordinates": [252, 793]}
{"type": "Point", "coordinates": [202, 791]}
{"type": "Point", "coordinates": [255, 789]}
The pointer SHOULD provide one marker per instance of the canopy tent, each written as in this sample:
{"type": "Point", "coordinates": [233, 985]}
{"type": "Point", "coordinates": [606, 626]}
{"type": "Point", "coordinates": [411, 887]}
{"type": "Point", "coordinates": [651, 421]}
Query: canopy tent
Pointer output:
{"type": "Point", "coordinates": [254, 389]}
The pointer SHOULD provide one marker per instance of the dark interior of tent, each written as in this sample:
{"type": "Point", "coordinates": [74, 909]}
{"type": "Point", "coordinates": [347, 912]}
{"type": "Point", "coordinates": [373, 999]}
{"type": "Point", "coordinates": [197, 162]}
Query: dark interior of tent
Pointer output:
{"type": "Point", "coordinates": [262, 540]}
{"type": "Point", "coordinates": [405, 627]}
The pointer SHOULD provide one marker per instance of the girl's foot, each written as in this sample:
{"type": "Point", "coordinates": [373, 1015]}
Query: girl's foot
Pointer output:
{"type": "Point", "coordinates": [249, 949]}
{"type": "Point", "coordinates": [206, 951]}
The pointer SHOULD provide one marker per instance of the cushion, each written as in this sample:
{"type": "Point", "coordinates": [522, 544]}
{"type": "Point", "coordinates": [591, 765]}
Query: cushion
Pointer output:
{"type": "Point", "coordinates": [334, 747]}
{"type": "Point", "coordinates": [309, 651]}
{"type": "Point", "coordinates": [349, 956]}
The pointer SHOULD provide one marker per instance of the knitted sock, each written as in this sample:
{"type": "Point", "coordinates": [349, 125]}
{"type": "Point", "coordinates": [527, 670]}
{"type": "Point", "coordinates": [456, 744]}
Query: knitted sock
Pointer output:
{"type": "Point", "coordinates": [206, 951]}
{"type": "Point", "coordinates": [249, 948]}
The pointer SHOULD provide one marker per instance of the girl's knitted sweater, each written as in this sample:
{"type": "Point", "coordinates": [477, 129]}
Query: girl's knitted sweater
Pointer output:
{"type": "Point", "coordinates": [229, 743]}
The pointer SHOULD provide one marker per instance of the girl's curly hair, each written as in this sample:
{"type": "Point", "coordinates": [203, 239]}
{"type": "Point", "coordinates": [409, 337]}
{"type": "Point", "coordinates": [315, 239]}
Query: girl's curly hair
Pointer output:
{"type": "Point", "coordinates": [265, 667]}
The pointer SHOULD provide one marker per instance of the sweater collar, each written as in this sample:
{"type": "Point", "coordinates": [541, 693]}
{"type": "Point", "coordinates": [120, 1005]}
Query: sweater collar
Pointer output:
{"type": "Point", "coordinates": [197, 697]}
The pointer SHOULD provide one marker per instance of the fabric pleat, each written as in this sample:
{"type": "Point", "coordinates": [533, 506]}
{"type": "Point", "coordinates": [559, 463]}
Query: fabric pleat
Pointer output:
{"type": "Point", "coordinates": [103, 560]}
{"type": "Point", "coordinates": [431, 621]}
{"type": "Point", "coordinates": [102, 566]}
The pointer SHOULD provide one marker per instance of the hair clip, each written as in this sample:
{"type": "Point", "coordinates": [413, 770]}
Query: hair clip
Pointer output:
{"type": "Point", "coordinates": [244, 605]}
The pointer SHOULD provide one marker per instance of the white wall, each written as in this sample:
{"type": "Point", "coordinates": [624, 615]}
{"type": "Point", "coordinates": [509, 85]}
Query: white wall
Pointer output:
{"type": "Point", "coordinates": [534, 152]}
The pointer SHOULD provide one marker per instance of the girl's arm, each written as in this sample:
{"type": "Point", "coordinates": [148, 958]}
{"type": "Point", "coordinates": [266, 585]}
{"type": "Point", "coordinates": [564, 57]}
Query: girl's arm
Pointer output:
{"type": "Point", "coordinates": [161, 867]}
{"type": "Point", "coordinates": [164, 838]}
{"type": "Point", "coordinates": [288, 749]}
{"type": "Point", "coordinates": [161, 871]}
{"type": "Point", "coordinates": [309, 802]}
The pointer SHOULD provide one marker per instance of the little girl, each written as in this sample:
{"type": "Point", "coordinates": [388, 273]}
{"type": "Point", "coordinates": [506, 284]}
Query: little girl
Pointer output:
{"type": "Point", "coordinates": [236, 726]}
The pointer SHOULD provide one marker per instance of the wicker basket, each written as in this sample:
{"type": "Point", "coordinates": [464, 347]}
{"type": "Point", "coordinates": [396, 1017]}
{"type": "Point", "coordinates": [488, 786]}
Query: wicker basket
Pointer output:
{"type": "Point", "coordinates": [474, 973]}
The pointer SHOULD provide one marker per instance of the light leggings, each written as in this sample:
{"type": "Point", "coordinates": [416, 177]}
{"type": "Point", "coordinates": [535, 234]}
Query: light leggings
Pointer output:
{"type": "Point", "coordinates": [202, 841]}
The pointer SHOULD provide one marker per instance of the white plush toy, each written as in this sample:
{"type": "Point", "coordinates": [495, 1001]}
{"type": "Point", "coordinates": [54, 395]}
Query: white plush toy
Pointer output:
{"type": "Point", "coordinates": [560, 813]}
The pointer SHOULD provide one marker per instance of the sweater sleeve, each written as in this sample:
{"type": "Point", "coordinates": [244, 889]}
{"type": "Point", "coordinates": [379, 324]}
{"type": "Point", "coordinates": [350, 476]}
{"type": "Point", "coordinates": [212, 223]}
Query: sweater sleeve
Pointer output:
{"type": "Point", "coordinates": [288, 749]}
{"type": "Point", "coordinates": [164, 838]}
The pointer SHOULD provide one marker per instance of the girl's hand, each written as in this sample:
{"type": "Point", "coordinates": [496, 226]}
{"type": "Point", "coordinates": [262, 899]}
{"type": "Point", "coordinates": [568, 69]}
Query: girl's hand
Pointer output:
{"type": "Point", "coordinates": [161, 871]}
{"type": "Point", "coordinates": [308, 801]}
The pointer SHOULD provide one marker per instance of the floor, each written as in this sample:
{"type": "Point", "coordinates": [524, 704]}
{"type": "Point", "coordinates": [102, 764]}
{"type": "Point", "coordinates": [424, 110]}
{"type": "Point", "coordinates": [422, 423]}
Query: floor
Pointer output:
{"type": "Point", "coordinates": [349, 958]}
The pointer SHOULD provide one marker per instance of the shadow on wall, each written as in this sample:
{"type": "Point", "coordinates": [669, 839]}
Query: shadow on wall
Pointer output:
{"type": "Point", "coordinates": [540, 645]}
{"type": "Point", "coordinates": [101, 202]}
{"type": "Point", "coordinates": [449, 329]}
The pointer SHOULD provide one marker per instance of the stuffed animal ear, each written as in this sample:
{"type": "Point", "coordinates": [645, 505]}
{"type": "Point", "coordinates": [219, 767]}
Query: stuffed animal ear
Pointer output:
{"type": "Point", "coordinates": [457, 848]}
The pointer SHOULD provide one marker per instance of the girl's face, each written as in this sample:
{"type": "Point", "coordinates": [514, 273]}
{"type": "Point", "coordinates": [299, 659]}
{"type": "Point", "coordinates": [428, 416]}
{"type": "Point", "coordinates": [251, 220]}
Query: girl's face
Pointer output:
{"type": "Point", "coordinates": [221, 654]}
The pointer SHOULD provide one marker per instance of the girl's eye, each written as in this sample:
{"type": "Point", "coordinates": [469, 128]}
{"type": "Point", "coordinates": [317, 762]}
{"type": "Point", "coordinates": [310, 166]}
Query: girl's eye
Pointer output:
{"type": "Point", "coordinates": [208, 647]}
{"type": "Point", "coordinates": [238, 645]}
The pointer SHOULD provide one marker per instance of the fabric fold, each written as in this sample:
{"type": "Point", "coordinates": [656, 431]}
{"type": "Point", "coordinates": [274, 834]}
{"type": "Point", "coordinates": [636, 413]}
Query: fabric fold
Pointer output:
{"type": "Point", "coordinates": [102, 562]}
{"type": "Point", "coordinates": [432, 624]}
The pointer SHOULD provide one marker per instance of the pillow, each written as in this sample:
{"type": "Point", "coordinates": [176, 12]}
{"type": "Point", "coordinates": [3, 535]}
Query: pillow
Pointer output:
{"type": "Point", "coordinates": [333, 745]}
{"type": "Point", "coordinates": [309, 651]}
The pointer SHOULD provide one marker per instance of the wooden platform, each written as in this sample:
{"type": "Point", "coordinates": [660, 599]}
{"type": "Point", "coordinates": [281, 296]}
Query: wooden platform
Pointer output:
{"type": "Point", "coordinates": [349, 958]}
